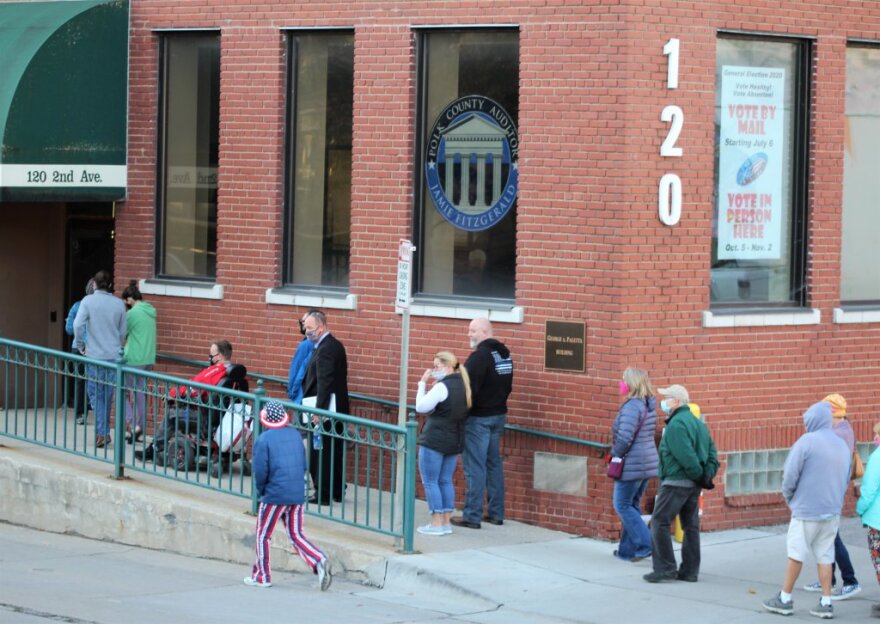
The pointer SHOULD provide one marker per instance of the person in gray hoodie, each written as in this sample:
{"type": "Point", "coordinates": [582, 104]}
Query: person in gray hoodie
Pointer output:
{"type": "Point", "coordinates": [102, 316]}
{"type": "Point", "coordinates": [814, 482]}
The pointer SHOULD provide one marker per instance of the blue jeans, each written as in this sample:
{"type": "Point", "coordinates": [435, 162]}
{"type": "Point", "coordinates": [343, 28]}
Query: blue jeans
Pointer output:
{"type": "Point", "coordinates": [635, 538]}
{"type": "Point", "coordinates": [101, 382]}
{"type": "Point", "coordinates": [136, 398]}
{"type": "Point", "coordinates": [483, 472]}
{"type": "Point", "coordinates": [841, 559]}
{"type": "Point", "coordinates": [437, 470]}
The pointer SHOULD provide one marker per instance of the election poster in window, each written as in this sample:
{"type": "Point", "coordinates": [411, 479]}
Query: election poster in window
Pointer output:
{"type": "Point", "coordinates": [750, 163]}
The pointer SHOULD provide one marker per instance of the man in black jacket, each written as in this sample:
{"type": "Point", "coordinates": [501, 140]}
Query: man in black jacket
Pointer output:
{"type": "Point", "coordinates": [491, 374]}
{"type": "Point", "coordinates": [327, 381]}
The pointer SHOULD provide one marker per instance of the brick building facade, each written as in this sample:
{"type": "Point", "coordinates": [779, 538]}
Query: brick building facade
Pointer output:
{"type": "Point", "coordinates": [755, 340]}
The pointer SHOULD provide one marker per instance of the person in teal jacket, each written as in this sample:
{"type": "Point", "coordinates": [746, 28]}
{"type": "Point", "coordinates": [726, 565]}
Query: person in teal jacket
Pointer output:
{"type": "Point", "coordinates": [140, 352]}
{"type": "Point", "coordinates": [868, 507]}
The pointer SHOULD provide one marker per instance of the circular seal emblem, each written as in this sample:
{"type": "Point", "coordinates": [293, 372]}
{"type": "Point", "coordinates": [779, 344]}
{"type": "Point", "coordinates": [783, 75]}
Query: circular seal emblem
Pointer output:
{"type": "Point", "coordinates": [471, 163]}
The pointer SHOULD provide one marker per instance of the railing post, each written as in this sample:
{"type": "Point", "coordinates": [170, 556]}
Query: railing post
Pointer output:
{"type": "Point", "coordinates": [259, 393]}
{"type": "Point", "coordinates": [409, 484]}
{"type": "Point", "coordinates": [119, 428]}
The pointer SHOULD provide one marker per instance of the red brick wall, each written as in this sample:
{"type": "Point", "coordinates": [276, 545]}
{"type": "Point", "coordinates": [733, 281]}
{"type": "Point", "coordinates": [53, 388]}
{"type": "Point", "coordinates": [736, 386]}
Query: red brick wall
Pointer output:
{"type": "Point", "coordinates": [590, 246]}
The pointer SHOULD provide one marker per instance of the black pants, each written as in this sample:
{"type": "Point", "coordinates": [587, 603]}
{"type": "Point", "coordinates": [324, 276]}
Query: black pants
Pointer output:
{"type": "Point", "coordinates": [76, 388]}
{"type": "Point", "coordinates": [683, 502]}
{"type": "Point", "coordinates": [327, 465]}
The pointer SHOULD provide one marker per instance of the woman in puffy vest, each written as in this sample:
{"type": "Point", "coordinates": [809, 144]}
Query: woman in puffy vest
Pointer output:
{"type": "Point", "coordinates": [447, 404]}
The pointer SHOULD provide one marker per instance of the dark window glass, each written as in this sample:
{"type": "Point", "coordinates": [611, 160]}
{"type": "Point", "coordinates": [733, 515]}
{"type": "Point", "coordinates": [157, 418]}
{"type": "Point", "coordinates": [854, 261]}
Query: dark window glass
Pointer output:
{"type": "Point", "coordinates": [189, 148]}
{"type": "Point", "coordinates": [319, 184]}
{"type": "Point", "coordinates": [758, 248]}
{"type": "Point", "coordinates": [475, 167]}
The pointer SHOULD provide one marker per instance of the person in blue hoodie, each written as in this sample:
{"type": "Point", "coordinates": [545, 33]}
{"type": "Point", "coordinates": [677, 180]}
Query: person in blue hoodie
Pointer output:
{"type": "Point", "coordinates": [279, 468]}
{"type": "Point", "coordinates": [814, 482]}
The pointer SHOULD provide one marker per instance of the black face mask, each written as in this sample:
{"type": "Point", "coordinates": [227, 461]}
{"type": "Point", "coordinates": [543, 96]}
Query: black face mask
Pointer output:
{"type": "Point", "coordinates": [302, 328]}
{"type": "Point", "coordinates": [211, 359]}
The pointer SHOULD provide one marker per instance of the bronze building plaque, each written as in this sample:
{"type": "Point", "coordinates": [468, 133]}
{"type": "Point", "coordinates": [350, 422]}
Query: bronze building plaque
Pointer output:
{"type": "Point", "coordinates": [564, 345]}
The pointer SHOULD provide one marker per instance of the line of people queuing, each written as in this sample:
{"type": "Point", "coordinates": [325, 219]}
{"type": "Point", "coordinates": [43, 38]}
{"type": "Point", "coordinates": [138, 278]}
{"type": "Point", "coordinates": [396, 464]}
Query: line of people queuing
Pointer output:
{"type": "Point", "coordinates": [104, 327]}
{"type": "Point", "coordinates": [816, 477]}
{"type": "Point", "coordinates": [466, 410]}
{"type": "Point", "coordinates": [465, 407]}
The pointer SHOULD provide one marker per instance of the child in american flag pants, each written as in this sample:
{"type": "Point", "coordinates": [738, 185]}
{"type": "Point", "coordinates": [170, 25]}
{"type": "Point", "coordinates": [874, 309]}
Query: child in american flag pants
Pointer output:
{"type": "Point", "coordinates": [291, 516]}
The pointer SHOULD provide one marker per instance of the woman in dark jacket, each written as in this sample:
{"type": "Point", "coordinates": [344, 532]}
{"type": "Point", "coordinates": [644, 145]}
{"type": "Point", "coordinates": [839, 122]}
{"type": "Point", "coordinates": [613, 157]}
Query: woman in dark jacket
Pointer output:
{"type": "Point", "coordinates": [447, 404]}
{"type": "Point", "coordinates": [641, 462]}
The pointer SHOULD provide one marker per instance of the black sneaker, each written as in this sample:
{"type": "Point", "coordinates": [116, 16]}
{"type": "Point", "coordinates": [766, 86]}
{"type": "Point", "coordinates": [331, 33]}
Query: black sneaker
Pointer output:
{"type": "Point", "coordinates": [660, 577]}
{"type": "Point", "coordinates": [146, 455]}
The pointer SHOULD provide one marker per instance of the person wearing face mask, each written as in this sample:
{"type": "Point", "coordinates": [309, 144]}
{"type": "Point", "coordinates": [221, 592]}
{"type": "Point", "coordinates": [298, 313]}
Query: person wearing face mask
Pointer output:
{"type": "Point", "coordinates": [299, 362]}
{"type": "Point", "coordinates": [181, 399]}
{"type": "Point", "coordinates": [687, 459]}
{"type": "Point", "coordinates": [327, 381]}
{"type": "Point", "coordinates": [447, 404]}
{"type": "Point", "coordinates": [633, 438]}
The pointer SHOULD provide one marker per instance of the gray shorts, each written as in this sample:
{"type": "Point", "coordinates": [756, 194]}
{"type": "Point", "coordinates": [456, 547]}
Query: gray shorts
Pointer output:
{"type": "Point", "coordinates": [812, 537]}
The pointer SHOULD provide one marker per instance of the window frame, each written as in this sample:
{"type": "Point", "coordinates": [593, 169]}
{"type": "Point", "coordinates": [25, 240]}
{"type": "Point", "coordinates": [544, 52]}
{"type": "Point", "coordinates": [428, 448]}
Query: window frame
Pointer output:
{"type": "Point", "coordinates": [164, 37]}
{"type": "Point", "coordinates": [422, 125]}
{"type": "Point", "coordinates": [798, 227]}
{"type": "Point", "coordinates": [854, 304]}
{"type": "Point", "coordinates": [289, 159]}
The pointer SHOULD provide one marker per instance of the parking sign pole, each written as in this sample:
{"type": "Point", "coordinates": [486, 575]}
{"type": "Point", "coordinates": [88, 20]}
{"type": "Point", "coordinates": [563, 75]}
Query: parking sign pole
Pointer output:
{"type": "Point", "coordinates": [404, 296]}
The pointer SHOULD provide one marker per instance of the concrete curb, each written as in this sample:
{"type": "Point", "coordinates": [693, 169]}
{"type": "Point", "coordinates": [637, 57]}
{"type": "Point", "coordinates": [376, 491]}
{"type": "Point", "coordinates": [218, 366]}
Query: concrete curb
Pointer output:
{"type": "Point", "coordinates": [63, 493]}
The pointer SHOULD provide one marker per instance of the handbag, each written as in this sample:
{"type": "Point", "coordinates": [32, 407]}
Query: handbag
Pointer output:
{"type": "Point", "coordinates": [615, 464]}
{"type": "Point", "coordinates": [858, 468]}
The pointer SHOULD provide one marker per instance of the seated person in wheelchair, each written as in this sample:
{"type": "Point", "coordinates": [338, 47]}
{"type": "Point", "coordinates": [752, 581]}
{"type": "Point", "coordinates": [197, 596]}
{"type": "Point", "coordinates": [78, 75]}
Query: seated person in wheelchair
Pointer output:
{"type": "Point", "coordinates": [207, 407]}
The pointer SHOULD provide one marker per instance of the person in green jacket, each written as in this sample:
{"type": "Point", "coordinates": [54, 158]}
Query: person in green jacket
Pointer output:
{"type": "Point", "coordinates": [140, 352]}
{"type": "Point", "coordinates": [688, 462]}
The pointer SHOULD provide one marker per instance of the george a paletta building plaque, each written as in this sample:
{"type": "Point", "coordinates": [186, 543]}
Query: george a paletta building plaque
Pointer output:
{"type": "Point", "coordinates": [564, 345]}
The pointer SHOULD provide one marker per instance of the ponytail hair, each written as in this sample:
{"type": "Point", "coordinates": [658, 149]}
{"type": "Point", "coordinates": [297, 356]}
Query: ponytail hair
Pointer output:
{"type": "Point", "coordinates": [448, 359]}
{"type": "Point", "coordinates": [132, 291]}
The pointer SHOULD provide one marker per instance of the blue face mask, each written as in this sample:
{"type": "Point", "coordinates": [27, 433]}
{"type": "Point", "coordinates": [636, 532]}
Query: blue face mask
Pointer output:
{"type": "Point", "coordinates": [664, 405]}
{"type": "Point", "coordinates": [312, 336]}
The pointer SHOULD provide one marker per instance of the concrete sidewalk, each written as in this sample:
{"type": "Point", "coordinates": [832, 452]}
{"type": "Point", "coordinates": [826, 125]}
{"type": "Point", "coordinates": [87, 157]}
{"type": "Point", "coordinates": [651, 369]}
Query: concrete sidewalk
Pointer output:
{"type": "Point", "coordinates": [511, 573]}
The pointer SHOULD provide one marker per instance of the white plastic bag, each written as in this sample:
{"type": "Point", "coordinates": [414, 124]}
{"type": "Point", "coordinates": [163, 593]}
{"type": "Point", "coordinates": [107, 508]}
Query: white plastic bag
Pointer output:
{"type": "Point", "coordinates": [235, 428]}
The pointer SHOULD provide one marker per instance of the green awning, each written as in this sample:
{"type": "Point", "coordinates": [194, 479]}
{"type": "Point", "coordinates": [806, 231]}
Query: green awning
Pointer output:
{"type": "Point", "coordinates": [63, 94]}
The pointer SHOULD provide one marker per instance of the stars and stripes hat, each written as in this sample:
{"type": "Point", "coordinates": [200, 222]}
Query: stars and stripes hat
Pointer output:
{"type": "Point", "coordinates": [273, 415]}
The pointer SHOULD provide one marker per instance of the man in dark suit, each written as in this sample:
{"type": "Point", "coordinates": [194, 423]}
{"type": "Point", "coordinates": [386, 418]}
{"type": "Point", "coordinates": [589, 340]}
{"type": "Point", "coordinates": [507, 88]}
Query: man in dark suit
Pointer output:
{"type": "Point", "coordinates": [326, 379]}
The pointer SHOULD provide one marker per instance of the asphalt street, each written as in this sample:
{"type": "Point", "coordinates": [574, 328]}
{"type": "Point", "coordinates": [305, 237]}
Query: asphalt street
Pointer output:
{"type": "Point", "coordinates": [63, 578]}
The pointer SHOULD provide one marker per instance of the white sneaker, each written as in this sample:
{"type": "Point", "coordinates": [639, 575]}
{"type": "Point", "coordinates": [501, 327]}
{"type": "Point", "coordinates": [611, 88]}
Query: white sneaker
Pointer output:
{"type": "Point", "coordinates": [325, 576]}
{"type": "Point", "coordinates": [845, 592]}
{"type": "Point", "coordinates": [249, 580]}
{"type": "Point", "coordinates": [430, 529]}
{"type": "Point", "coordinates": [447, 529]}
{"type": "Point", "coordinates": [816, 587]}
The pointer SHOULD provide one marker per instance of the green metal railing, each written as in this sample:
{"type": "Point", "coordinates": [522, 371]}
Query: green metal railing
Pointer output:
{"type": "Point", "coordinates": [389, 408]}
{"type": "Point", "coordinates": [187, 429]}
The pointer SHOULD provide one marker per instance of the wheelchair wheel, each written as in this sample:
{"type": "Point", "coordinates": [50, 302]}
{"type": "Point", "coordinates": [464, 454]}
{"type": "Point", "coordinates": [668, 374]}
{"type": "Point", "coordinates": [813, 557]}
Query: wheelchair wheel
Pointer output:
{"type": "Point", "coordinates": [180, 453]}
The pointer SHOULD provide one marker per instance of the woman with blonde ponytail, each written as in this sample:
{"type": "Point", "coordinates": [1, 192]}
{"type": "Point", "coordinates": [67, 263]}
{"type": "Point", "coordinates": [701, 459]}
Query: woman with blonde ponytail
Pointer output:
{"type": "Point", "coordinates": [446, 404]}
